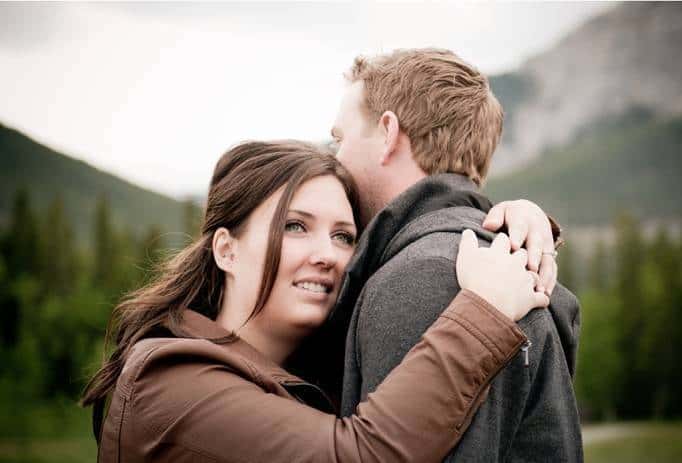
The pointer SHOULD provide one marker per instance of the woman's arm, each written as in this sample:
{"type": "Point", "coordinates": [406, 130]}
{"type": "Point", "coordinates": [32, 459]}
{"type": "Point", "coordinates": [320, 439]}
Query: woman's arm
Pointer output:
{"type": "Point", "coordinates": [414, 415]}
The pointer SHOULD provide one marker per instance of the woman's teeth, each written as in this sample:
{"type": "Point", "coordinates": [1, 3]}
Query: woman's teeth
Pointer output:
{"type": "Point", "coordinates": [315, 287]}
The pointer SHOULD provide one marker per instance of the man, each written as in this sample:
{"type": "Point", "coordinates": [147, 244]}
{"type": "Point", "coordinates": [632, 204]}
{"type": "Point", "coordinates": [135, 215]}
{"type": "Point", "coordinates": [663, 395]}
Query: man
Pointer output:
{"type": "Point", "coordinates": [417, 129]}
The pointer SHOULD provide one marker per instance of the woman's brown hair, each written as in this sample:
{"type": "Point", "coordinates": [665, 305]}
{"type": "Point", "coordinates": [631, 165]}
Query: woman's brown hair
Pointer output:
{"type": "Point", "coordinates": [243, 178]}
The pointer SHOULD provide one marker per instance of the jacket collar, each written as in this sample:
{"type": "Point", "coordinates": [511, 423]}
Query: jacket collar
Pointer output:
{"type": "Point", "coordinates": [194, 325]}
{"type": "Point", "coordinates": [432, 193]}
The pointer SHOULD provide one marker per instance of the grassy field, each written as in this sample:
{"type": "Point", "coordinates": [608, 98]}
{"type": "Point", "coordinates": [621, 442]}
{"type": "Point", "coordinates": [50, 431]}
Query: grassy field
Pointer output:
{"type": "Point", "coordinates": [617, 442]}
{"type": "Point", "coordinates": [633, 442]}
{"type": "Point", "coordinates": [51, 433]}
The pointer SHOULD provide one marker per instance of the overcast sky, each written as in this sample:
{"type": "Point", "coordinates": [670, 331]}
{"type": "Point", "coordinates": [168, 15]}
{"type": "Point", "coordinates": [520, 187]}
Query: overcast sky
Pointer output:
{"type": "Point", "coordinates": [155, 93]}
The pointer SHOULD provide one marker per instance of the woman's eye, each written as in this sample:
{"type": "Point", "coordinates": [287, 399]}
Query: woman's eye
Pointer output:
{"type": "Point", "coordinates": [296, 227]}
{"type": "Point", "coordinates": [346, 238]}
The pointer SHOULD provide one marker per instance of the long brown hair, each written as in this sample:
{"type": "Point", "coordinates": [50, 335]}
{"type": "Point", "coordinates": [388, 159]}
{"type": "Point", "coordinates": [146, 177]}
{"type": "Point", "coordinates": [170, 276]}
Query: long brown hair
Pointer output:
{"type": "Point", "coordinates": [243, 178]}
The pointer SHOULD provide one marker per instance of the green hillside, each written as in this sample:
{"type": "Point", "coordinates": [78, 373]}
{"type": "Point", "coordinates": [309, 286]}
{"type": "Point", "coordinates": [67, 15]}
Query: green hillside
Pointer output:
{"type": "Point", "coordinates": [632, 164]}
{"type": "Point", "coordinates": [46, 174]}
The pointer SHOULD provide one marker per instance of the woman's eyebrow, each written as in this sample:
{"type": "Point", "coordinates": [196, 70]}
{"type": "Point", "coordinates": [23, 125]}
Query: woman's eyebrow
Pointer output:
{"type": "Point", "coordinates": [311, 216]}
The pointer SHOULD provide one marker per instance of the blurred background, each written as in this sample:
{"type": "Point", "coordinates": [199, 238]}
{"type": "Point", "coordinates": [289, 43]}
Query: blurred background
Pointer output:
{"type": "Point", "coordinates": [113, 115]}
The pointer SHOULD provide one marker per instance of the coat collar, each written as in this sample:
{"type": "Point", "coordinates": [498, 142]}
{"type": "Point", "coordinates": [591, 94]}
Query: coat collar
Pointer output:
{"type": "Point", "coordinates": [432, 193]}
{"type": "Point", "coordinates": [194, 325]}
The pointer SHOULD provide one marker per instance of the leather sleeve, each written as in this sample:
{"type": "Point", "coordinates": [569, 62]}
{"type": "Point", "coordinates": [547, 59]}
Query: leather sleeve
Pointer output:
{"type": "Point", "coordinates": [530, 413]}
{"type": "Point", "coordinates": [416, 414]}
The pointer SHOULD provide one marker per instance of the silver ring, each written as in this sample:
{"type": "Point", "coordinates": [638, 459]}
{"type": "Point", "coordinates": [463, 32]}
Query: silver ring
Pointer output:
{"type": "Point", "coordinates": [550, 253]}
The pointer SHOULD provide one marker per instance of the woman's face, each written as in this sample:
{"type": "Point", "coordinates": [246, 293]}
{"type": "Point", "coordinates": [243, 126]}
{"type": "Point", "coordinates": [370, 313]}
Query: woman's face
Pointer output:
{"type": "Point", "coordinates": [317, 244]}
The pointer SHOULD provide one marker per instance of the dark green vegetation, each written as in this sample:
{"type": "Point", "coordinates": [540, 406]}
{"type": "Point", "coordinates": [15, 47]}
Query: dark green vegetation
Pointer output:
{"type": "Point", "coordinates": [58, 287]}
{"type": "Point", "coordinates": [56, 432]}
{"type": "Point", "coordinates": [631, 331]}
{"type": "Point", "coordinates": [631, 164]}
{"type": "Point", "coordinates": [47, 174]}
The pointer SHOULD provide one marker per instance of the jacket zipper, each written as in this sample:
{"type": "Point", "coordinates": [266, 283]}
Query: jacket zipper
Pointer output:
{"type": "Point", "coordinates": [524, 349]}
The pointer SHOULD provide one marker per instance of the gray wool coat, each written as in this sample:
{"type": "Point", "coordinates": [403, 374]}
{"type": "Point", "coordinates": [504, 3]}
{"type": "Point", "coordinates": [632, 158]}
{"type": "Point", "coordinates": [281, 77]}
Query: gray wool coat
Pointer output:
{"type": "Point", "coordinates": [407, 277]}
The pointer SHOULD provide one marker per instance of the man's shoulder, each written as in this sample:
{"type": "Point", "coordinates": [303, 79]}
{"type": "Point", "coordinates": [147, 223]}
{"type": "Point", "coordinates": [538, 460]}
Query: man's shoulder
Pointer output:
{"type": "Point", "coordinates": [422, 266]}
{"type": "Point", "coordinates": [436, 234]}
{"type": "Point", "coordinates": [432, 250]}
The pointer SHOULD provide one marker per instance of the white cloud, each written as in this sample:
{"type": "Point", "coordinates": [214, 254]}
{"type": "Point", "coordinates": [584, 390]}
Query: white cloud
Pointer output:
{"type": "Point", "coordinates": [156, 92]}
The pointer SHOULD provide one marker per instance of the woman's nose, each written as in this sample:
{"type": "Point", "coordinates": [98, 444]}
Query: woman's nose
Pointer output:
{"type": "Point", "coordinates": [324, 253]}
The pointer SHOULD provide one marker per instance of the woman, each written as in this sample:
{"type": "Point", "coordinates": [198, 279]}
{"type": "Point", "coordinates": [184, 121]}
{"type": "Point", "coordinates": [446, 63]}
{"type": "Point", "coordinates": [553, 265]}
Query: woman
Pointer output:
{"type": "Point", "coordinates": [197, 373]}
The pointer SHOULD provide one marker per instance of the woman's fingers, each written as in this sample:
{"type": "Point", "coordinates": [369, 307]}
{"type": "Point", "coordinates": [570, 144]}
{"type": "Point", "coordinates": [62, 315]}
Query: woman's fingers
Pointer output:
{"type": "Point", "coordinates": [495, 218]}
{"type": "Point", "coordinates": [518, 233]}
{"type": "Point", "coordinates": [468, 246]}
{"type": "Point", "coordinates": [521, 257]}
{"type": "Point", "coordinates": [548, 273]}
{"type": "Point", "coordinates": [468, 243]}
{"type": "Point", "coordinates": [499, 276]}
{"type": "Point", "coordinates": [540, 299]}
{"type": "Point", "coordinates": [501, 244]}
{"type": "Point", "coordinates": [537, 282]}
{"type": "Point", "coordinates": [537, 289]}
{"type": "Point", "coordinates": [534, 245]}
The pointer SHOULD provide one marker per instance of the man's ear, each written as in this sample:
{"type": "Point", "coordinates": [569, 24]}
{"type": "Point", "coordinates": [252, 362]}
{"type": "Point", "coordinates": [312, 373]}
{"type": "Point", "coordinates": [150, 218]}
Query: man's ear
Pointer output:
{"type": "Point", "coordinates": [390, 127]}
{"type": "Point", "coordinates": [224, 247]}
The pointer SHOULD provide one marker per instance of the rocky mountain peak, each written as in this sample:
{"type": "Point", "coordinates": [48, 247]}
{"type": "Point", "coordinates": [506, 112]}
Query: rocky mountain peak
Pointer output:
{"type": "Point", "coordinates": [626, 58]}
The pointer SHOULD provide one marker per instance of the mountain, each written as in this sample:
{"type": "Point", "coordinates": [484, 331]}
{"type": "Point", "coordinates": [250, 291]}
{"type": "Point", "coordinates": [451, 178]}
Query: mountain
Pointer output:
{"type": "Point", "coordinates": [626, 58]}
{"type": "Point", "coordinates": [47, 174]}
{"type": "Point", "coordinates": [633, 164]}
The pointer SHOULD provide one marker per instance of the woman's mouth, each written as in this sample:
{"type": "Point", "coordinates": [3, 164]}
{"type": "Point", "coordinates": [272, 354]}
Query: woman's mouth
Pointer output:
{"type": "Point", "coordinates": [314, 287]}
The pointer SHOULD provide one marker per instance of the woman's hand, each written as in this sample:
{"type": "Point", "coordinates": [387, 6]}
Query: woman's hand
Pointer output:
{"type": "Point", "coordinates": [498, 276]}
{"type": "Point", "coordinates": [528, 226]}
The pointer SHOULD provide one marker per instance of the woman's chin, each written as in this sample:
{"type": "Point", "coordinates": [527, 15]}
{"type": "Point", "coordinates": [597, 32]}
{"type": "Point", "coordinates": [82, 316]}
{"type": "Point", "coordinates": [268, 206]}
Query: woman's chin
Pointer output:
{"type": "Point", "coordinates": [309, 317]}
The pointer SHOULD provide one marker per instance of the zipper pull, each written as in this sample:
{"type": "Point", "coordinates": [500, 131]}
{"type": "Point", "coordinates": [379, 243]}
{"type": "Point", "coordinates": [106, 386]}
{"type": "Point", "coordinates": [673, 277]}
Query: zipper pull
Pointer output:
{"type": "Point", "coordinates": [524, 349]}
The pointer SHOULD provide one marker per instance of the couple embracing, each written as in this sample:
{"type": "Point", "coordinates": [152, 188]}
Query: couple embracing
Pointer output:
{"type": "Point", "coordinates": [356, 307]}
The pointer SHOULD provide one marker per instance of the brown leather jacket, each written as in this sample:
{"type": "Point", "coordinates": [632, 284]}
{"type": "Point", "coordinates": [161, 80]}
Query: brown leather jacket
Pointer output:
{"type": "Point", "coordinates": [203, 396]}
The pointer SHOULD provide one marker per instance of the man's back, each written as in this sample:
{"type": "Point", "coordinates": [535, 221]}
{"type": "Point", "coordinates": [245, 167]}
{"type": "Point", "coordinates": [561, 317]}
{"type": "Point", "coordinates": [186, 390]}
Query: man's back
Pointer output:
{"type": "Point", "coordinates": [530, 412]}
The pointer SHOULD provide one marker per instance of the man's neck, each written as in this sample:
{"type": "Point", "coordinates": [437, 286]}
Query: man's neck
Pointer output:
{"type": "Point", "coordinates": [398, 184]}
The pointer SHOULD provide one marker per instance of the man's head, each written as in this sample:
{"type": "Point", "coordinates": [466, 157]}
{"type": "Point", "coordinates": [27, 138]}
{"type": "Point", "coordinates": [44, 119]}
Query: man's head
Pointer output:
{"type": "Point", "coordinates": [412, 113]}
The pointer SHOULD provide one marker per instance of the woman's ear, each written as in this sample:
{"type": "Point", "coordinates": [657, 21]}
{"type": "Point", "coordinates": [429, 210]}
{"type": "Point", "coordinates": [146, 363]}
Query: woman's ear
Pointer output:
{"type": "Point", "coordinates": [224, 245]}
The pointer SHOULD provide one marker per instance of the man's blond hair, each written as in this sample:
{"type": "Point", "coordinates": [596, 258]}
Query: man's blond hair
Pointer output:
{"type": "Point", "coordinates": [444, 105]}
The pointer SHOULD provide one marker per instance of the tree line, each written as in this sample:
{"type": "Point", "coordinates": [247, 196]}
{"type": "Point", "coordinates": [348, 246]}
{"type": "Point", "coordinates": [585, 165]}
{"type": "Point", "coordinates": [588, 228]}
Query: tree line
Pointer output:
{"type": "Point", "coordinates": [56, 296]}
{"type": "Point", "coordinates": [631, 298]}
{"type": "Point", "coordinates": [56, 299]}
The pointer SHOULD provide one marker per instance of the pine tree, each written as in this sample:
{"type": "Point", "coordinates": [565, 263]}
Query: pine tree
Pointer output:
{"type": "Point", "coordinates": [104, 245]}
{"type": "Point", "coordinates": [630, 258]}
{"type": "Point", "coordinates": [20, 259]}
{"type": "Point", "coordinates": [599, 269]}
{"type": "Point", "coordinates": [59, 256]}
{"type": "Point", "coordinates": [662, 326]}
{"type": "Point", "coordinates": [21, 245]}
